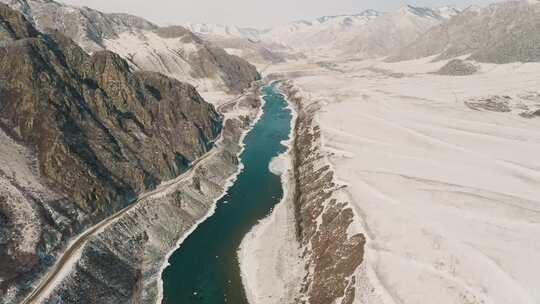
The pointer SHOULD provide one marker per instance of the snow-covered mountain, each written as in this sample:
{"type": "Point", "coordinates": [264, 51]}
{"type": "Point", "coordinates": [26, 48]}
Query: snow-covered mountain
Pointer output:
{"type": "Point", "coordinates": [500, 33]}
{"type": "Point", "coordinates": [320, 34]}
{"type": "Point", "coordinates": [393, 30]}
{"type": "Point", "coordinates": [367, 34]}
{"type": "Point", "coordinates": [173, 51]}
{"type": "Point", "coordinates": [227, 31]}
{"type": "Point", "coordinates": [243, 42]}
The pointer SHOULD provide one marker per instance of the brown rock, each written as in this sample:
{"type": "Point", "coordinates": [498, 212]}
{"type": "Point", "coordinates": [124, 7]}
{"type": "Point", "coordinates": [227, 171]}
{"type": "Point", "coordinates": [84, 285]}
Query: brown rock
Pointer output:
{"type": "Point", "coordinates": [102, 133]}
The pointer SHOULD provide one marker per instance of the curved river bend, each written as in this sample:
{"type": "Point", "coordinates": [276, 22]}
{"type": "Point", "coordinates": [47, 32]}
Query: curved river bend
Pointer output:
{"type": "Point", "coordinates": [205, 268]}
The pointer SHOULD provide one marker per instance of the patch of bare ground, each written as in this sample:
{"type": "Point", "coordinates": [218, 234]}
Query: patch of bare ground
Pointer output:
{"type": "Point", "coordinates": [322, 221]}
{"type": "Point", "coordinates": [494, 104]}
{"type": "Point", "coordinates": [527, 104]}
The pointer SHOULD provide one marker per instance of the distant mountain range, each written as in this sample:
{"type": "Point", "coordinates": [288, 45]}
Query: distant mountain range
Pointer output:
{"type": "Point", "coordinates": [500, 33]}
{"type": "Point", "coordinates": [367, 34]}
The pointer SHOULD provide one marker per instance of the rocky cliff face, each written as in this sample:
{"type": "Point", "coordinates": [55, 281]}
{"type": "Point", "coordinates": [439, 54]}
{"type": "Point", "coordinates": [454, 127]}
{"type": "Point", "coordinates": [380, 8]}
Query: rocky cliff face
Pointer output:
{"type": "Point", "coordinates": [82, 136]}
{"type": "Point", "coordinates": [173, 51]}
{"type": "Point", "coordinates": [500, 33]}
{"type": "Point", "coordinates": [122, 263]}
{"type": "Point", "coordinates": [331, 249]}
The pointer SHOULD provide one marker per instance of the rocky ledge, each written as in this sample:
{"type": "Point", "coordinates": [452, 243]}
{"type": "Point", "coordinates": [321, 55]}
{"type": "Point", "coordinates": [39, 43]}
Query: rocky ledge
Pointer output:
{"type": "Point", "coordinates": [458, 67]}
{"type": "Point", "coordinates": [323, 216]}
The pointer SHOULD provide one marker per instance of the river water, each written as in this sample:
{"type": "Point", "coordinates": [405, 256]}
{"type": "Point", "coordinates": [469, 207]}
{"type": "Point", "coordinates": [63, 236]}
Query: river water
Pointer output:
{"type": "Point", "coordinates": [205, 268]}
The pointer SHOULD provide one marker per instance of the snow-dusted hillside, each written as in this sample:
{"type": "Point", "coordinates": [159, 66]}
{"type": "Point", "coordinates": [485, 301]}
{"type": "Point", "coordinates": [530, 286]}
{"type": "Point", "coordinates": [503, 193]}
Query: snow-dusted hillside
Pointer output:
{"type": "Point", "coordinates": [173, 51]}
{"type": "Point", "coordinates": [225, 31]}
{"type": "Point", "coordinates": [322, 34]}
{"type": "Point", "coordinates": [501, 33]}
{"type": "Point", "coordinates": [243, 42]}
{"type": "Point", "coordinates": [368, 34]}
{"type": "Point", "coordinates": [393, 30]}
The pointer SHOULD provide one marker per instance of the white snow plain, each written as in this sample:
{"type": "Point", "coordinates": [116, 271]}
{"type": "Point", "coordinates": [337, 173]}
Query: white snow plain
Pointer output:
{"type": "Point", "coordinates": [448, 196]}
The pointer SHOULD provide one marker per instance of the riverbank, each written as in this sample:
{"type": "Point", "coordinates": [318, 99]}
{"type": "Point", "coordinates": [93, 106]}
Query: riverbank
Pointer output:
{"type": "Point", "coordinates": [269, 257]}
{"type": "Point", "coordinates": [230, 110]}
{"type": "Point", "coordinates": [124, 261]}
{"type": "Point", "coordinates": [328, 230]}
{"type": "Point", "coordinates": [205, 268]}
{"type": "Point", "coordinates": [309, 249]}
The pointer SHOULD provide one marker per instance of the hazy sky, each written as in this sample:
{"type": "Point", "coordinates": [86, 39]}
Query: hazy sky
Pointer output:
{"type": "Point", "coordinates": [251, 13]}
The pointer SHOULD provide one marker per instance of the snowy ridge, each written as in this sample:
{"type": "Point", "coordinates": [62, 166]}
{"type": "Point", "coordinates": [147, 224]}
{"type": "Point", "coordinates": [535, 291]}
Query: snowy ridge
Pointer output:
{"type": "Point", "coordinates": [208, 29]}
{"type": "Point", "coordinates": [502, 32]}
{"type": "Point", "coordinates": [367, 34]}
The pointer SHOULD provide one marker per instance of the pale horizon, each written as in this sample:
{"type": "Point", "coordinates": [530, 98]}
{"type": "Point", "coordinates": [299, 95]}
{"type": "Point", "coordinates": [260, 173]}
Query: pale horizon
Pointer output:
{"type": "Point", "coordinates": [252, 14]}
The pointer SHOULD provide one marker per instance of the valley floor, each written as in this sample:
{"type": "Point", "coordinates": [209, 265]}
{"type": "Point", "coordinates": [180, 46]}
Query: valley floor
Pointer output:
{"type": "Point", "coordinates": [443, 174]}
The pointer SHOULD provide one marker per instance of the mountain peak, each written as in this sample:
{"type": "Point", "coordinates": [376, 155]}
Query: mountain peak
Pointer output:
{"type": "Point", "coordinates": [441, 13]}
{"type": "Point", "coordinates": [448, 11]}
{"type": "Point", "coordinates": [365, 13]}
{"type": "Point", "coordinates": [370, 13]}
{"type": "Point", "coordinates": [473, 9]}
{"type": "Point", "coordinates": [418, 11]}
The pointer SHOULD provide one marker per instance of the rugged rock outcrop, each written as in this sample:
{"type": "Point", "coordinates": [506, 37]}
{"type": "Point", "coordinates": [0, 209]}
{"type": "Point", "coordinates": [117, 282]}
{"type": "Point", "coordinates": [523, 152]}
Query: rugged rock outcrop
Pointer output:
{"type": "Point", "coordinates": [82, 136]}
{"type": "Point", "coordinates": [458, 67]}
{"type": "Point", "coordinates": [500, 33]}
{"type": "Point", "coordinates": [527, 105]}
{"type": "Point", "coordinates": [173, 51]}
{"type": "Point", "coordinates": [323, 217]}
{"type": "Point", "coordinates": [122, 263]}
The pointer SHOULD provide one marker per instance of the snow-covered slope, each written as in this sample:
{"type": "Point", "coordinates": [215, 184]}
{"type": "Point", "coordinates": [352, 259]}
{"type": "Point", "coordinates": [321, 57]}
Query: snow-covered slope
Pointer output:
{"type": "Point", "coordinates": [443, 175]}
{"type": "Point", "coordinates": [243, 42]}
{"type": "Point", "coordinates": [500, 33]}
{"type": "Point", "coordinates": [322, 34]}
{"type": "Point", "coordinates": [394, 30]}
{"type": "Point", "coordinates": [173, 51]}
{"type": "Point", "coordinates": [225, 31]}
{"type": "Point", "coordinates": [364, 35]}
{"type": "Point", "coordinates": [177, 52]}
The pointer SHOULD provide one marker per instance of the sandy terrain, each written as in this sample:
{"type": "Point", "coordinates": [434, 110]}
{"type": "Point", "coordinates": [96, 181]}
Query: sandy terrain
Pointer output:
{"type": "Point", "coordinates": [447, 195]}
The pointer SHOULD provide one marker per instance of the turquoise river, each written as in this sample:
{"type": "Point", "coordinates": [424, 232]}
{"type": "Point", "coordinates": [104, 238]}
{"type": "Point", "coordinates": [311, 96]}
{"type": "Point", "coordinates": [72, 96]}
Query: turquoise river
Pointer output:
{"type": "Point", "coordinates": [205, 268]}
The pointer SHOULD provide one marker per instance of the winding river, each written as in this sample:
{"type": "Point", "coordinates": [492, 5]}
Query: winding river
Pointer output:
{"type": "Point", "coordinates": [205, 268]}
